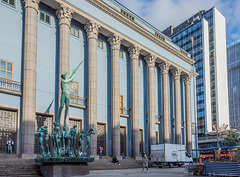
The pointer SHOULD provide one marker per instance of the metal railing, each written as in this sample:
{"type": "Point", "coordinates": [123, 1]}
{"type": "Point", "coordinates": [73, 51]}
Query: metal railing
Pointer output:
{"type": "Point", "coordinates": [125, 111]}
{"type": "Point", "coordinates": [78, 100]}
{"type": "Point", "coordinates": [10, 85]}
{"type": "Point", "coordinates": [211, 137]}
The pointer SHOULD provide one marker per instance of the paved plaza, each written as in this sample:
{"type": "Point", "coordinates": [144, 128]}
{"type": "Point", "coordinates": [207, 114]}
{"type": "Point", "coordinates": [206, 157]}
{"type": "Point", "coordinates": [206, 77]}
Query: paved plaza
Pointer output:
{"type": "Point", "coordinates": [163, 172]}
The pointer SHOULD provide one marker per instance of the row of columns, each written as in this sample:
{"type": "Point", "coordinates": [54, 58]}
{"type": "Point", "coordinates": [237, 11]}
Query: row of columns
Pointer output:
{"type": "Point", "coordinates": [29, 85]}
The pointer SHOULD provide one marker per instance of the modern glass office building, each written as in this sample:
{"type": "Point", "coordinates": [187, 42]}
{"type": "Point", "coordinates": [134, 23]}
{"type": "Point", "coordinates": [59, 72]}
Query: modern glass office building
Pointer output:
{"type": "Point", "coordinates": [204, 36]}
{"type": "Point", "coordinates": [233, 58]}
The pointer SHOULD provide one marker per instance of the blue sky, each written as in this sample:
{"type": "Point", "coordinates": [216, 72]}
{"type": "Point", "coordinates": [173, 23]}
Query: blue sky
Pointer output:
{"type": "Point", "coordinates": [163, 13]}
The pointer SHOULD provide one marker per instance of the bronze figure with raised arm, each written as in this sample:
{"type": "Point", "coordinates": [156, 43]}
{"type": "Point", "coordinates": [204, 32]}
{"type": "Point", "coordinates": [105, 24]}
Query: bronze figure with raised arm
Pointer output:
{"type": "Point", "coordinates": [65, 93]}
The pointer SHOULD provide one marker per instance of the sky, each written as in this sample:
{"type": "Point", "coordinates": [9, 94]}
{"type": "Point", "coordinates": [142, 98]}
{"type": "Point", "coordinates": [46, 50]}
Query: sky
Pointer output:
{"type": "Point", "coordinates": [163, 13]}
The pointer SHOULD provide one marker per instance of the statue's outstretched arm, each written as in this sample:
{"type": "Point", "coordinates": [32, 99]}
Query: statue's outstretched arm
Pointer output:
{"type": "Point", "coordinates": [73, 73]}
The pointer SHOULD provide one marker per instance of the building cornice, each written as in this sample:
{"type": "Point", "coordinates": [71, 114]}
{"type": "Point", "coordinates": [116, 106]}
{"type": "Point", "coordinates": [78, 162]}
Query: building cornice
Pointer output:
{"type": "Point", "coordinates": [117, 15]}
{"type": "Point", "coordinates": [114, 31]}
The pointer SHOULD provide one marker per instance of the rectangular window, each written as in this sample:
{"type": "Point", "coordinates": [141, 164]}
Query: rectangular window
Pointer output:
{"type": "Point", "coordinates": [45, 18]}
{"type": "Point", "coordinates": [74, 32]}
{"type": "Point", "coordinates": [9, 2]}
{"type": "Point", "coordinates": [100, 44]}
{"type": "Point", "coordinates": [74, 92]}
{"type": "Point", "coordinates": [121, 54]}
{"type": "Point", "coordinates": [6, 70]}
{"type": "Point", "coordinates": [121, 104]}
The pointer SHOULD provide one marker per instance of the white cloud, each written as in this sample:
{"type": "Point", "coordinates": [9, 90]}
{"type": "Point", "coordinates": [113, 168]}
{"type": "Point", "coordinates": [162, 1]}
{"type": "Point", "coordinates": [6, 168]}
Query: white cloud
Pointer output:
{"type": "Point", "coordinates": [163, 13]}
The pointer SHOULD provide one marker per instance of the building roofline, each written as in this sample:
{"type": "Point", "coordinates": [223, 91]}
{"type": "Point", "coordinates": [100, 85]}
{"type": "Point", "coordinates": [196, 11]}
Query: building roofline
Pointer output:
{"type": "Point", "coordinates": [189, 19]}
{"type": "Point", "coordinates": [147, 23]}
{"type": "Point", "coordinates": [183, 29]}
{"type": "Point", "coordinates": [166, 44]}
{"type": "Point", "coordinates": [233, 43]}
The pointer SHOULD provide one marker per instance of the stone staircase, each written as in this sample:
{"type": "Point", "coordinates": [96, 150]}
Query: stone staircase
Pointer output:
{"type": "Point", "coordinates": [106, 164]}
{"type": "Point", "coordinates": [12, 165]}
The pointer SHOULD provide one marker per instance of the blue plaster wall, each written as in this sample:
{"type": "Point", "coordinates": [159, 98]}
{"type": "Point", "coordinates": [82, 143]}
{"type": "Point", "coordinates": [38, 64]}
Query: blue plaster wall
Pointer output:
{"type": "Point", "coordinates": [125, 90]}
{"type": "Point", "coordinates": [125, 78]}
{"type": "Point", "coordinates": [143, 92]}
{"type": "Point", "coordinates": [11, 45]}
{"type": "Point", "coordinates": [47, 60]}
{"type": "Point", "coordinates": [79, 53]}
{"type": "Point", "coordinates": [104, 86]}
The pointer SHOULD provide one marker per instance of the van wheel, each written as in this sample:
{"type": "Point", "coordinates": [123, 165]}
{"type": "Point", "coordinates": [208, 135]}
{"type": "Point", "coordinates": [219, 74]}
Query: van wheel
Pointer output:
{"type": "Point", "coordinates": [179, 165]}
{"type": "Point", "coordinates": [170, 165]}
{"type": "Point", "coordinates": [159, 166]}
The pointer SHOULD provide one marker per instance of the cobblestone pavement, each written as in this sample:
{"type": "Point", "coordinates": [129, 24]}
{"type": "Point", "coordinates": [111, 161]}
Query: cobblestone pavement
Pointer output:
{"type": "Point", "coordinates": [162, 172]}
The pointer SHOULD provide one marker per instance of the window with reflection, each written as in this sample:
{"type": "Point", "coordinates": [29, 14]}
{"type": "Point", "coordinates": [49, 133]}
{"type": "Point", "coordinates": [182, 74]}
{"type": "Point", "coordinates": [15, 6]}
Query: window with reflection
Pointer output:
{"type": "Point", "coordinates": [9, 2]}
{"type": "Point", "coordinates": [74, 92]}
{"type": "Point", "coordinates": [45, 18]}
{"type": "Point", "coordinates": [6, 70]}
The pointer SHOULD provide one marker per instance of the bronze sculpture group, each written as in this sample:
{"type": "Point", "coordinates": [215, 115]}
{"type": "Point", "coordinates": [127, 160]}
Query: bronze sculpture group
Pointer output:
{"type": "Point", "coordinates": [63, 144]}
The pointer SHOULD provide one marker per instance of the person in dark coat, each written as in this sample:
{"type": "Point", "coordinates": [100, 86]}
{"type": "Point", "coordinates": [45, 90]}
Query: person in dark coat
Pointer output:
{"type": "Point", "coordinates": [115, 160]}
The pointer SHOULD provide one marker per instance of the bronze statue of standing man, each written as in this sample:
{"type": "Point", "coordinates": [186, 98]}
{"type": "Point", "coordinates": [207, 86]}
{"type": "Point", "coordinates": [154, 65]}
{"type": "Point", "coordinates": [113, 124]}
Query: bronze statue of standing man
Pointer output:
{"type": "Point", "coordinates": [65, 93]}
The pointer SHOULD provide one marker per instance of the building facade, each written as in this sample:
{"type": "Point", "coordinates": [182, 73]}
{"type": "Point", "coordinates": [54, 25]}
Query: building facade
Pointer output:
{"type": "Point", "coordinates": [233, 58]}
{"type": "Point", "coordinates": [135, 87]}
{"type": "Point", "coordinates": [204, 37]}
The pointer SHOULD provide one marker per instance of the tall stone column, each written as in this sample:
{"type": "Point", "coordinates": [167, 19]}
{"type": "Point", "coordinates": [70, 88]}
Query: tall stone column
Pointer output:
{"type": "Point", "coordinates": [134, 54]}
{"type": "Point", "coordinates": [178, 132]}
{"type": "Point", "coordinates": [65, 16]}
{"type": "Point", "coordinates": [151, 99]}
{"type": "Point", "coordinates": [187, 82]}
{"type": "Point", "coordinates": [92, 32]}
{"type": "Point", "coordinates": [166, 120]}
{"type": "Point", "coordinates": [29, 78]}
{"type": "Point", "coordinates": [115, 42]}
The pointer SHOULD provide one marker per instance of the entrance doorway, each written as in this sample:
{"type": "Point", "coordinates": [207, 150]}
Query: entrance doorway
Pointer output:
{"type": "Point", "coordinates": [122, 140]}
{"type": "Point", "coordinates": [75, 122]}
{"type": "Point", "coordinates": [141, 141]}
{"type": "Point", "coordinates": [8, 129]}
{"type": "Point", "coordinates": [101, 138]}
{"type": "Point", "coordinates": [41, 120]}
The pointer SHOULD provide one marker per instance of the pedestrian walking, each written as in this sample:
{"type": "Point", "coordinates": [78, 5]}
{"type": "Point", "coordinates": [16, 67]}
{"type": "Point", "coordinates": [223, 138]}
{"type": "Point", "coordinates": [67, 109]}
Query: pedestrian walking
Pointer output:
{"type": "Point", "coordinates": [100, 152]}
{"type": "Point", "coordinates": [123, 157]}
{"type": "Point", "coordinates": [10, 144]}
{"type": "Point", "coordinates": [145, 162]}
